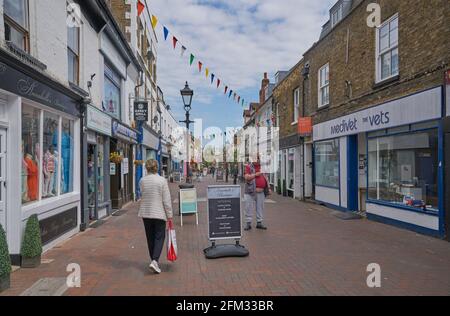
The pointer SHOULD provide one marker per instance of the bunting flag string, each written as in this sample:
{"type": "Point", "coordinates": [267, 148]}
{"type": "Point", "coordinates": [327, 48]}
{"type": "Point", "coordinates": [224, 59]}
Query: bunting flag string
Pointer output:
{"type": "Point", "coordinates": [208, 74]}
{"type": "Point", "coordinates": [175, 41]}
{"type": "Point", "coordinates": [154, 21]}
{"type": "Point", "coordinates": [140, 7]}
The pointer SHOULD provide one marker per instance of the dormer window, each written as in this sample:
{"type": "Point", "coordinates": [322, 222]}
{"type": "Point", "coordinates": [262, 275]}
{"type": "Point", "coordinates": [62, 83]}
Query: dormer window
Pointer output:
{"type": "Point", "coordinates": [336, 15]}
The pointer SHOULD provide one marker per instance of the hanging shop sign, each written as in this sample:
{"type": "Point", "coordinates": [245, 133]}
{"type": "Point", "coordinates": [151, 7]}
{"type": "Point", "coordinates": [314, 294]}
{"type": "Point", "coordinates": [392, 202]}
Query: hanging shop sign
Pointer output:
{"type": "Point", "coordinates": [305, 126]}
{"type": "Point", "coordinates": [98, 121]}
{"type": "Point", "coordinates": [18, 83]}
{"type": "Point", "coordinates": [415, 108]}
{"type": "Point", "coordinates": [141, 111]}
{"type": "Point", "coordinates": [224, 212]}
{"type": "Point", "coordinates": [57, 225]}
{"type": "Point", "coordinates": [124, 132]}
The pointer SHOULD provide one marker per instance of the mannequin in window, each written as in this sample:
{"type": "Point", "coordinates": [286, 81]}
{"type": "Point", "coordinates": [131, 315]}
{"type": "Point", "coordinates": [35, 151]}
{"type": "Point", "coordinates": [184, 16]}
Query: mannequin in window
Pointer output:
{"type": "Point", "coordinates": [32, 177]}
{"type": "Point", "coordinates": [49, 172]}
{"type": "Point", "coordinates": [66, 156]}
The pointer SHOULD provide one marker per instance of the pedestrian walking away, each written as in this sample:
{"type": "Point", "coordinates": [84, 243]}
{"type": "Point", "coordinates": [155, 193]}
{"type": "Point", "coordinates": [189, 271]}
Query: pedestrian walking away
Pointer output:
{"type": "Point", "coordinates": [255, 191]}
{"type": "Point", "coordinates": [155, 210]}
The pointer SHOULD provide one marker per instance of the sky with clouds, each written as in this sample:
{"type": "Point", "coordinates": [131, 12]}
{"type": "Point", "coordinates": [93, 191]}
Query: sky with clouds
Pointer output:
{"type": "Point", "coordinates": [238, 40]}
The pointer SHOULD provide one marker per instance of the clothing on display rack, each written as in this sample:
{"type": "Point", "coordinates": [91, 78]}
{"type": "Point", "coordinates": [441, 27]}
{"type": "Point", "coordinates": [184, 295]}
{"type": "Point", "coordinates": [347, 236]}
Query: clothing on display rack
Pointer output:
{"type": "Point", "coordinates": [32, 178]}
{"type": "Point", "coordinates": [49, 171]}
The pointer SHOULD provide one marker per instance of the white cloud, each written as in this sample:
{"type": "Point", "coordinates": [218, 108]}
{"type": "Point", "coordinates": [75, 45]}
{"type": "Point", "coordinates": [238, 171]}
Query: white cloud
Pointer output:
{"type": "Point", "coordinates": [238, 40]}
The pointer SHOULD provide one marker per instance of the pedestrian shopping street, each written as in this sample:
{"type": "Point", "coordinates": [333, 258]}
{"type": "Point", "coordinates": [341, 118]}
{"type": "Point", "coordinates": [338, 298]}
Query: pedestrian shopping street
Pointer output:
{"type": "Point", "coordinates": [305, 251]}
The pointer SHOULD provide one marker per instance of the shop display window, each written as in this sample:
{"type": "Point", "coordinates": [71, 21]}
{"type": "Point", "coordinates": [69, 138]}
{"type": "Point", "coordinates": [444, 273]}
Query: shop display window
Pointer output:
{"type": "Point", "coordinates": [91, 180]}
{"type": "Point", "coordinates": [403, 169]}
{"type": "Point", "coordinates": [67, 156]}
{"type": "Point", "coordinates": [327, 163]}
{"type": "Point", "coordinates": [100, 170]}
{"type": "Point", "coordinates": [290, 168]}
{"type": "Point", "coordinates": [41, 177]}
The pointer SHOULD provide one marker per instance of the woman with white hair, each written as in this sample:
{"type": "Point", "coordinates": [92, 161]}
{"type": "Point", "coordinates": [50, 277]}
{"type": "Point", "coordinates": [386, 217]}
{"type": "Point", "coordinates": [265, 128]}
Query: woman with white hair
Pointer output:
{"type": "Point", "coordinates": [155, 210]}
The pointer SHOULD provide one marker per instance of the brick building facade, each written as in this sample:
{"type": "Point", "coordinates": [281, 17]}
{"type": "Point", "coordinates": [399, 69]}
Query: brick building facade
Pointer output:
{"type": "Point", "coordinates": [376, 96]}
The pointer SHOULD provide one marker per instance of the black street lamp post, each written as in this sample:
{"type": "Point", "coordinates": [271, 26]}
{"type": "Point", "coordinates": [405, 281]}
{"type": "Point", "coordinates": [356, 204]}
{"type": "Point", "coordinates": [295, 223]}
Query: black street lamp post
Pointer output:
{"type": "Point", "coordinates": [186, 94]}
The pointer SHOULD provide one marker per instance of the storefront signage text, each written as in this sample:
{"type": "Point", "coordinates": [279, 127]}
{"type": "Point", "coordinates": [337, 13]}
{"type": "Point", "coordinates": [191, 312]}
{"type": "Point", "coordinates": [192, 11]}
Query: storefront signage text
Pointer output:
{"type": "Point", "coordinates": [98, 121]}
{"type": "Point", "coordinates": [20, 84]}
{"type": "Point", "coordinates": [415, 108]}
{"type": "Point", "coordinates": [120, 130]}
{"type": "Point", "coordinates": [141, 111]}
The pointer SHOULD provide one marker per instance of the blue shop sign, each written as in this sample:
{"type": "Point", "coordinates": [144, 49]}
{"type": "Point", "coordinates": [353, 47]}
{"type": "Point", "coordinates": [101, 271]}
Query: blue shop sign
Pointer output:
{"type": "Point", "coordinates": [122, 131]}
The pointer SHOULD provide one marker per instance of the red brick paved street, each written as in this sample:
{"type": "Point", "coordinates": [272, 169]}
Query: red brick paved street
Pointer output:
{"type": "Point", "coordinates": [305, 251]}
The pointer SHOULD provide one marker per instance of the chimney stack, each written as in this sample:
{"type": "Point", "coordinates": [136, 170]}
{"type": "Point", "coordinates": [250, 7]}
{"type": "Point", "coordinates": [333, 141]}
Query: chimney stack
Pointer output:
{"type": "Point", "coordinates": [262, 92]}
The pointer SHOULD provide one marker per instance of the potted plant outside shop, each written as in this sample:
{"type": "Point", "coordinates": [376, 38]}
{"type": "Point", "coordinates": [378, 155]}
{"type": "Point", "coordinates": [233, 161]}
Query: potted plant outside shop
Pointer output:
{"type": "Point", "coordinates": [32, 245]}
{"type": "Point", "coordinates": [5, 262]}
{"type": "Point", "coordinates": [279, 186]}
{"type": "Point", "coordinates": [284, 188]}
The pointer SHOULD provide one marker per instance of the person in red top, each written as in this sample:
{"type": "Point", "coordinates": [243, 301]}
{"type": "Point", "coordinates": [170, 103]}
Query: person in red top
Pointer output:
{"type": "Point", "coordinates": [256, 188]}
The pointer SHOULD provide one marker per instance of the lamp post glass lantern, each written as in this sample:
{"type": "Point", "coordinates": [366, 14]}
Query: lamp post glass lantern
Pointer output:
{"type": "Point", "coordinates": [186, 94]}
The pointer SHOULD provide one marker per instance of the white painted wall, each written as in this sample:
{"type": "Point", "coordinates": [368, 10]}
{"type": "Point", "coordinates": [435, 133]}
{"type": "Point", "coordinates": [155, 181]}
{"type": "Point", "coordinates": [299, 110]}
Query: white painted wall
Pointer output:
{"type": "Point", "coordinates": [418, 219]}
{"type": "Point", "coordinates": [327, 195]}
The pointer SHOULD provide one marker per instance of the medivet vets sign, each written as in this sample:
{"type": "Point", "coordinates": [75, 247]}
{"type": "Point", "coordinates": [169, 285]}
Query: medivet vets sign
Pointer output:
{"type": "Point", "coordinates": [423, 106]}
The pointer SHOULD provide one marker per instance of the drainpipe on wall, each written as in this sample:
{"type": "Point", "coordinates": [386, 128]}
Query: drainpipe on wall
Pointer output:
{"type": "Point", "coordinates": [84, 218]}
{"type": "Point", "coordinates": [305, 74]}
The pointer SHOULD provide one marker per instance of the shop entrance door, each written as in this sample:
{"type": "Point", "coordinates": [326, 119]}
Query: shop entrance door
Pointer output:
{"type": "Point", "coordinates": [91, 181]}
{"type": "Point", "coordinates": [3, 178]}
{"type": "Point", "coordinates": [308, 164]}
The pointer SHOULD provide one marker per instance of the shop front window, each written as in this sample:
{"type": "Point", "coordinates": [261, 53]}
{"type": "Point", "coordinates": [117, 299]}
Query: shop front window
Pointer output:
{"type": "Point", "coordinates": [111, 102]}
{"type": "Point", "coordinates": [327, 163]}
{"type": "Point", "coordinates": [403, 169]}
{"type": "Point", "coordinates": [50, 150]}
{"type": "Point", "coordinates": [100, 170]}
{"type": "Point", "coordinates": [91, 180]}
{"type": "Point", "coordinates": [31, 122]}
{"type": "Point", "coordinates": [290, 170]}
{"type": "Point", "coordinates": [279, 169]}
{"type": "Point", "coordinates": [67, 156]}
{"type": "Point", "coordinates": [16, 23]}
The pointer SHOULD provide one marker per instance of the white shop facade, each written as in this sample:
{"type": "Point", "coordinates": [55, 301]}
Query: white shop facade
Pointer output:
{"type": "Point", "coordinates": [39, 155]}
{"type": "Point", "coordinates": [386, 161]}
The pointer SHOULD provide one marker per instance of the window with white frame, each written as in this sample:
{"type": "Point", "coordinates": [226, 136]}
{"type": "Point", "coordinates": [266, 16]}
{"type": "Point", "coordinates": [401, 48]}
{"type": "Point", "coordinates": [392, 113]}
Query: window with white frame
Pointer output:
{"type": "Point", "coordinates": [324, 85]}
{"type": "Point", "coordinates": [296, 105]}
{"type": "Point", "coordinates": [73, 53]}
{"type": "Point", "coordinates": [387, 49]}
{"type": "Point", "coordinates": [336, 15]}
{"type": "Point", "coordinates": [16, 23]}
